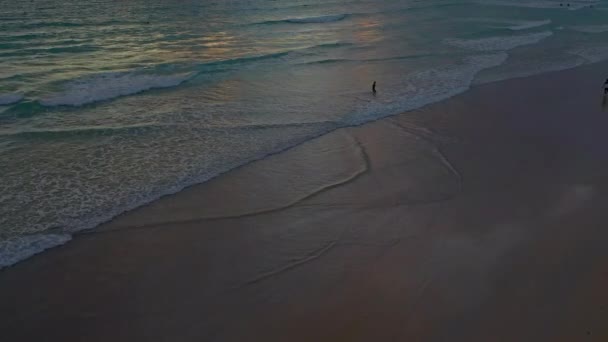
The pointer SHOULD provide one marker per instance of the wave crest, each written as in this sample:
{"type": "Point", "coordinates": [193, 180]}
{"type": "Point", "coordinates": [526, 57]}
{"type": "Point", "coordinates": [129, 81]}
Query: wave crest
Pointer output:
{"type": "Point", "coordinates": [590, 28]}
{"type": "Point", "coordinates": [500, 43]}
{"type": "Point", "coordinates": [592, 54]}
{"type": "Point", "coordinates": [524, 25]}
{"type": "Point", "coordinates": [106, 86]}
{"type": "Point", "coordinates": [7, 99]}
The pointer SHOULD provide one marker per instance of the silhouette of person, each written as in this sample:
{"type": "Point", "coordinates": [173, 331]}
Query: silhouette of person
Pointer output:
{"type": "Point", "coordinates": [606, 87]}
{"type": "Point", "coordinates": [374, 87]}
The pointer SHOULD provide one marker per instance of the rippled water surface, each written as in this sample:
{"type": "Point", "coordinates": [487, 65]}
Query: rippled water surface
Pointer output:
{"type": "Point", "coordinates": [107, 105]}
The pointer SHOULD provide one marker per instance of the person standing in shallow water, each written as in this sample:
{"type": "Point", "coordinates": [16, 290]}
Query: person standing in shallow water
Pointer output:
{"type": "Point", "coordinates": [374, 87]}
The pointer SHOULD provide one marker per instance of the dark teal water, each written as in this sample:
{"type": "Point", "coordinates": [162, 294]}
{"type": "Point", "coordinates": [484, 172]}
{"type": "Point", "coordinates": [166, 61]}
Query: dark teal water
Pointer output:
{"type": "Point", "coordinates": [107, 105]}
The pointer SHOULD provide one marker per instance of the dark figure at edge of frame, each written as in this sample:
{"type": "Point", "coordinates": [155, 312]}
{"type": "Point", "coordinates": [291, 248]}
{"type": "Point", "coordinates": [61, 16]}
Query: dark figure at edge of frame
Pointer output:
{"type": "Point", "coordinates": [604, 98]}
{"type": "Point", "coordinates": [374, 87]}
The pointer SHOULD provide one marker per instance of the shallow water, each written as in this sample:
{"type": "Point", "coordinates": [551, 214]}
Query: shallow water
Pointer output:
{"type": "Point", "coordinates": [107, 105]}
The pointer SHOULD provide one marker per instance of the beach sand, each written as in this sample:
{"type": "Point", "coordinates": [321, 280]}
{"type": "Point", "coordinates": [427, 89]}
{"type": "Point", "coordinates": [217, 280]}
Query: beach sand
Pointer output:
{"type": "Point", "coordinates": [480, 218]}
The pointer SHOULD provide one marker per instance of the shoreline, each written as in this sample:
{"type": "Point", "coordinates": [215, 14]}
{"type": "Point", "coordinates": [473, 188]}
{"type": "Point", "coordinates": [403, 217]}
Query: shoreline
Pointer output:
{"type": "Point", "coordinates": [43, 241]}
{"type": "Point", "coordinates": [450, 183]}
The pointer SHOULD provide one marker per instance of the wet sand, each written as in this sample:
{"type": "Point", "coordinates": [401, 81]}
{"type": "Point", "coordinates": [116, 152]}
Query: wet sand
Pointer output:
{"type": "Point", "coordinates": [481, 218]}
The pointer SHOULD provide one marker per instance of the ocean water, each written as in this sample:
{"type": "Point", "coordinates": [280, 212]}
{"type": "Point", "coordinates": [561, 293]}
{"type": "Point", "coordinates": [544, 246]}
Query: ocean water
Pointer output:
{"type": "Point", "coordinates": [106, 105]}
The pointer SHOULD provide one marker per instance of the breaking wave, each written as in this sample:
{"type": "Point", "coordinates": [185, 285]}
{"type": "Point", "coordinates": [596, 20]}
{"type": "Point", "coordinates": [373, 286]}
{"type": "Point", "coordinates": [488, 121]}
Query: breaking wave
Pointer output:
{"type": "Point", "coordinates": [7, 99]}
{"type": "Point", "coordinates": [499, 43]}
{"type": "Point", "coordinates": [107, 86]}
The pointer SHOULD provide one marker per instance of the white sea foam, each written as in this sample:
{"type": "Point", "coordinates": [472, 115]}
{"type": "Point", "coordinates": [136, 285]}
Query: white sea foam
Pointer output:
{"type": "Point", "coordinates": [107, 86]}
{"type": "Point", "coordinates": [590, 28]}
{"type": "Point", "coordinates": [428, 87]}
{"type": "Point", "coordinates": [528, 69]}
{"type": "Point", "coordinates": [499, 43]}
{"type": "Point", "coordinates": [514, 25]}
{"type": "Point", "coordinates": [19, 248]}
{"type": "Point", "coordinates": [591, 54]}
{"type": "Point", "coordinates": [92, 199]}
{"type": "Point", "coordinates": [7, 99]}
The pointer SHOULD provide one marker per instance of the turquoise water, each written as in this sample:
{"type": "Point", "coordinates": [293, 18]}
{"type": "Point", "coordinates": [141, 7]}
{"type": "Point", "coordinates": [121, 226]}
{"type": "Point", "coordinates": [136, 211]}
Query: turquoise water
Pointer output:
{"type": "Point", "coordinates": [108, 105]}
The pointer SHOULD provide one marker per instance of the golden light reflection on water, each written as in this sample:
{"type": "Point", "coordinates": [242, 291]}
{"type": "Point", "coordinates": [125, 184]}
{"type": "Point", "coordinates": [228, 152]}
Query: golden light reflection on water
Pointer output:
{"type": "Point", "coordinates": [218, 45]}
{"type": "Point", "coordinates": [212, 46]}
{"type": "Point", "coordinates": [368, 31]}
